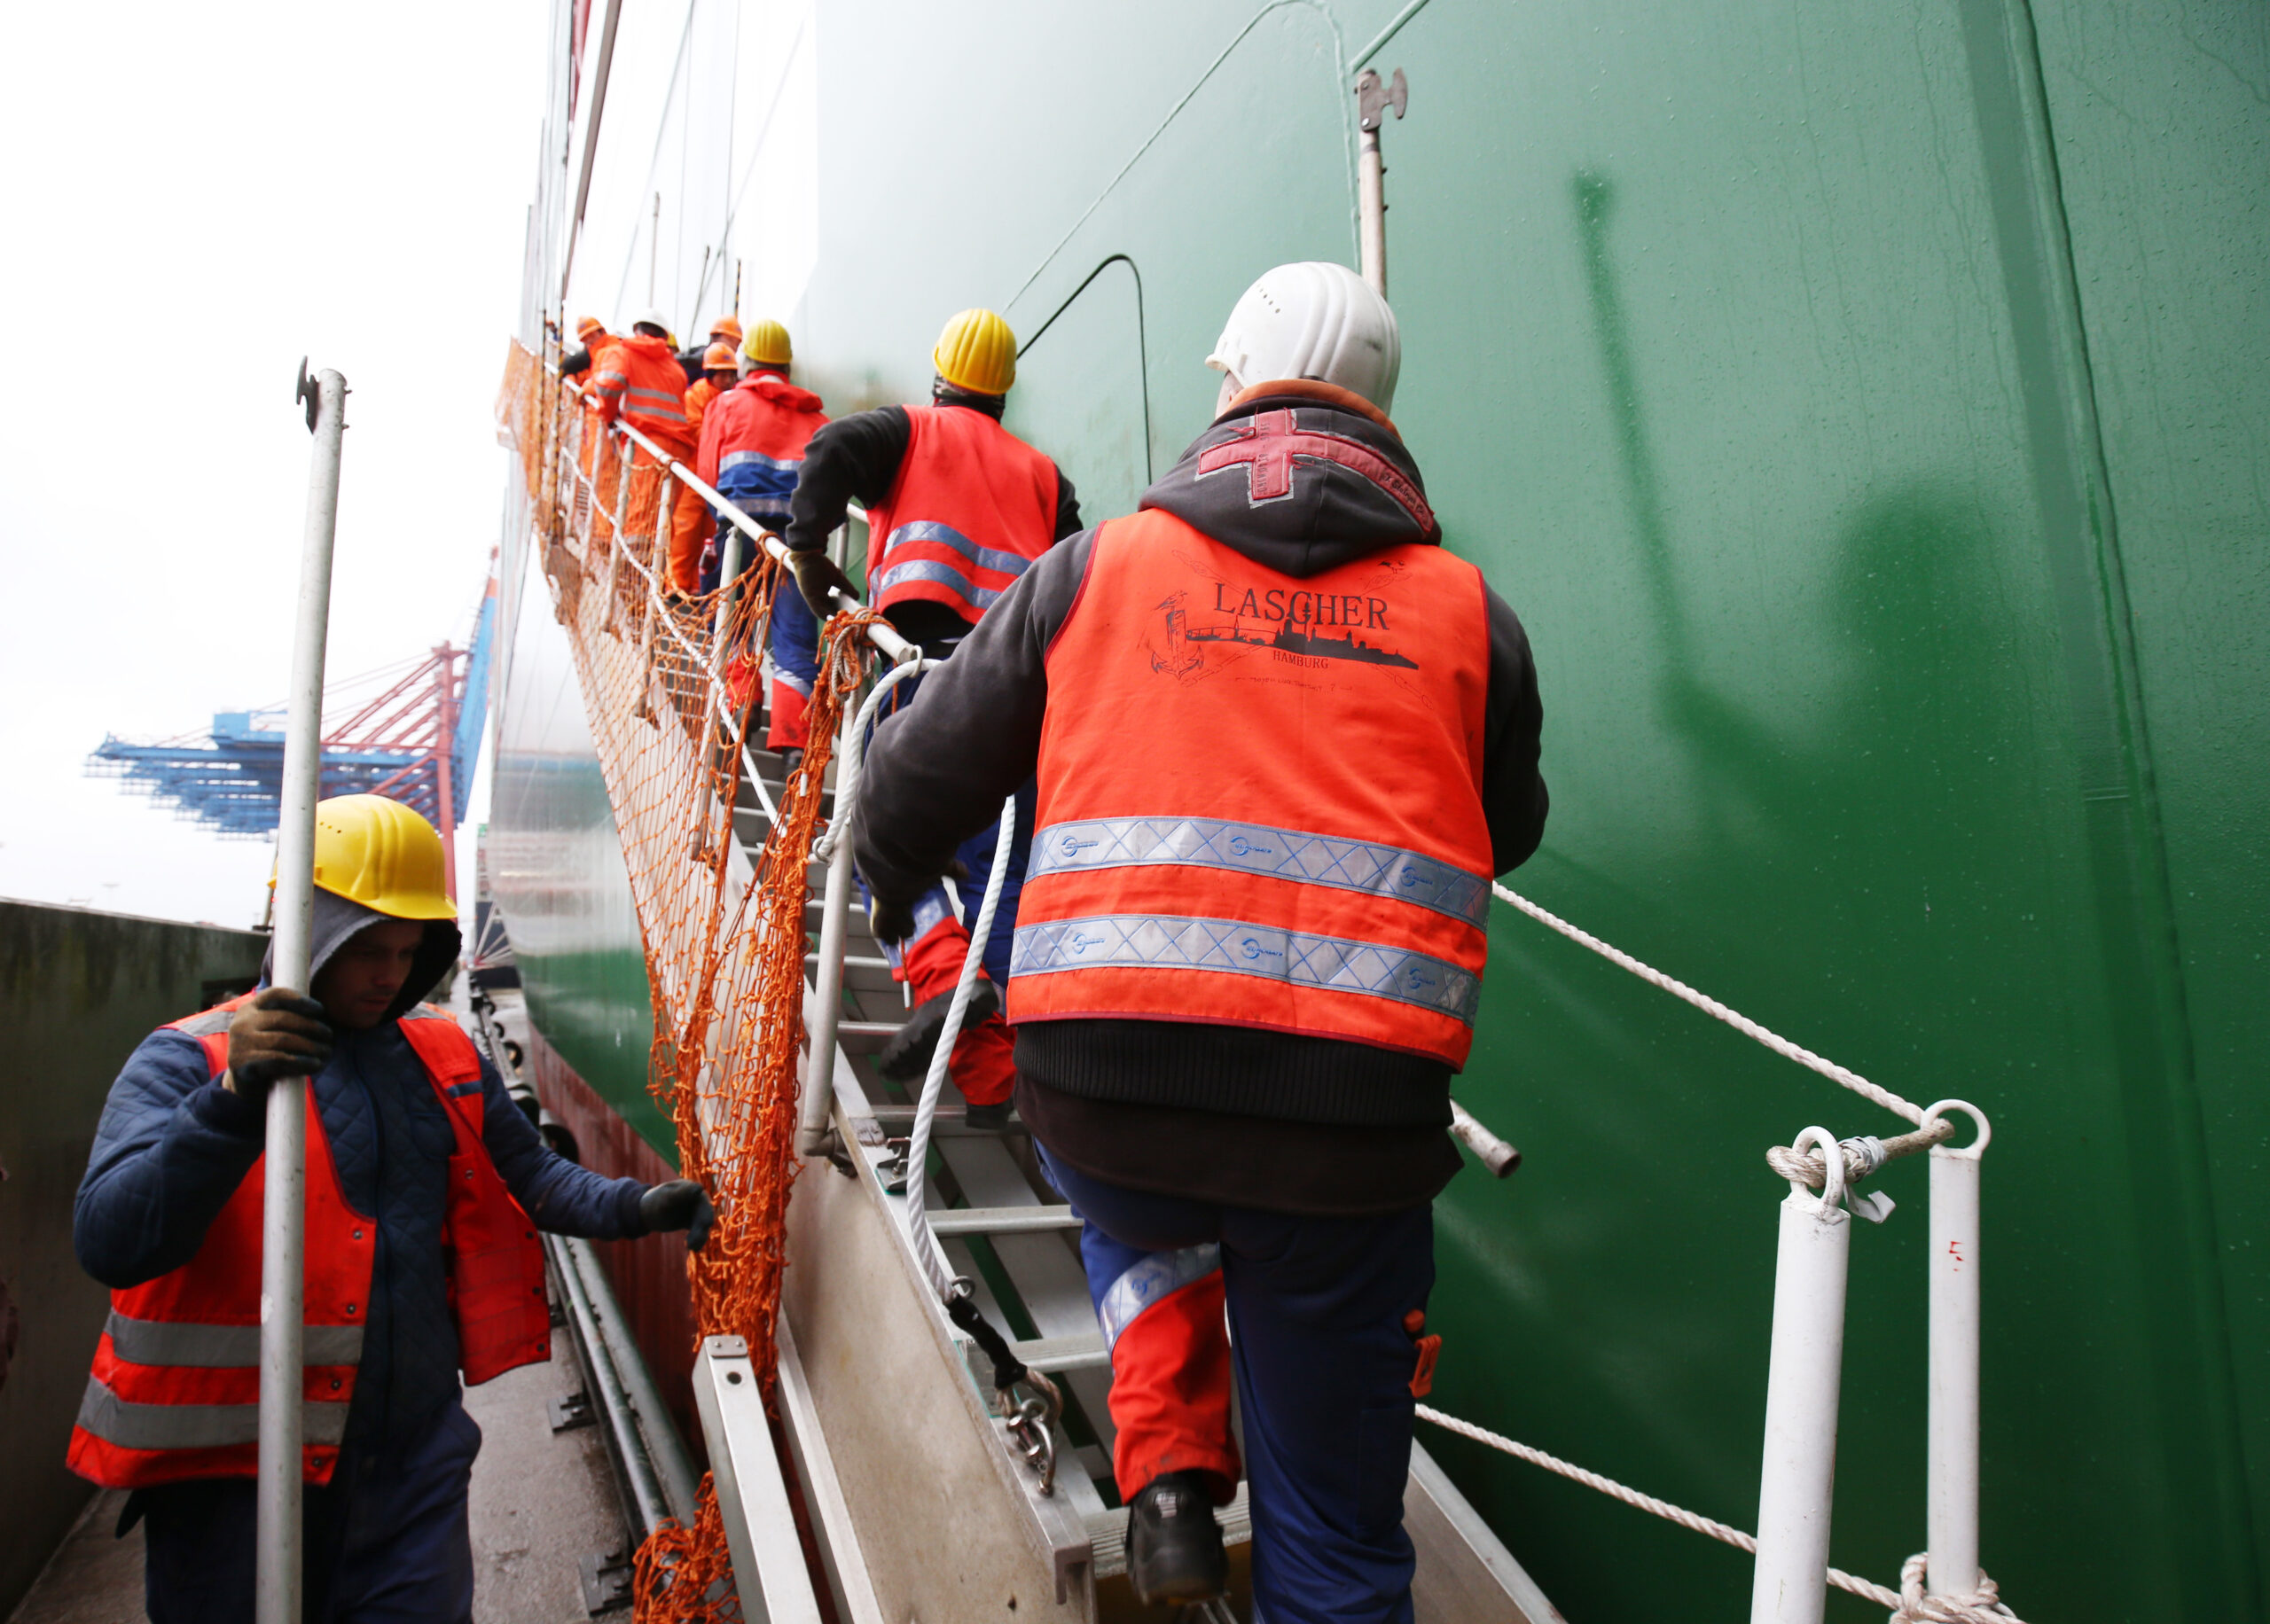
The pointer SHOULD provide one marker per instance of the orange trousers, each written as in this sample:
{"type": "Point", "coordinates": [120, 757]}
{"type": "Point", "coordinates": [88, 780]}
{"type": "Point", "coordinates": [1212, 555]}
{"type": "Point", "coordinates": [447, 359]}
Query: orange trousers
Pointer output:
{"type": "Point", "coordinates": [692, 525]}
{"type": "Point", "coordinates": [984, 1063]}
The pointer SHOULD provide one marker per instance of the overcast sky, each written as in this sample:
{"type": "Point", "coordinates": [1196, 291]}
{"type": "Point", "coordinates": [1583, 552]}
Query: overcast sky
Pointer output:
{"type": "Point", "coordinates": [195, 197]}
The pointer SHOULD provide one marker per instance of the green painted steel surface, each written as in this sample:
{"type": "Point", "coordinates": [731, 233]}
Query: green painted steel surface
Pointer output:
{"type": "Point", "coordinates": [1865, 408]}
{"type": "Point", "coordinates": [78, 990]}
{"type": "Point", "coordinates": [556, 870]}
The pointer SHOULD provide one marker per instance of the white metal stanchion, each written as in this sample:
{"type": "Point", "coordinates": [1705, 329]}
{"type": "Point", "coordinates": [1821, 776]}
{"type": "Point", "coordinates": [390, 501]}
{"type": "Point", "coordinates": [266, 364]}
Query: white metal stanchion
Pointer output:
{"type": "Point", "coordinates": [284, 1191]}
{"type": "Point", "coordinates": [815, 1134]}
{"type": "Point", "coordinates": [1951, 1515]}
{"type": "Point", "coordinates": [1790, 1582]}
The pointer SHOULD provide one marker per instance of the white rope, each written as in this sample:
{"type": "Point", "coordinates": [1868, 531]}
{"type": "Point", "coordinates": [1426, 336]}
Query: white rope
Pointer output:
{"type": "Point", "coordinates": [1983, 1605]}
{"type": "Point", "coordinates": [854, 755]}
{"type": "Point", "coordinates": [926, 1109]}
{"type": "Point", "coordinates": [1913, 1607]}
{"type": "Point", "coordinates": [1711, 1006]}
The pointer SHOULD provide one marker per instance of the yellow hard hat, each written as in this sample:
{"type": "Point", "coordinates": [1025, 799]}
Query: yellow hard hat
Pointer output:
{"type": "Point", "coordinates": [382, 855]}
{"type": "Point", "coordinates": [977, 352]}
{"type": "Point", "coordinates": [717, 358]}
{"type": "Point", "coordinates": [767, 345]}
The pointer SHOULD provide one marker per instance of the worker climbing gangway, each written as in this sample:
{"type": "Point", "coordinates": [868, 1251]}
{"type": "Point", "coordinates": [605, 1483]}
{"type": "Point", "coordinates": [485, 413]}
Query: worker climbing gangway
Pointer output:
{"type": "Point", "coordinates": [724, 860]}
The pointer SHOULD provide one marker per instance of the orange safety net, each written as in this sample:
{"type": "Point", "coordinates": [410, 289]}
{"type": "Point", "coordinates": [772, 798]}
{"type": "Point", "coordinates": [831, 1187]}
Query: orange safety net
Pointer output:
{"type": "Point", "coordinates": [670, 686]}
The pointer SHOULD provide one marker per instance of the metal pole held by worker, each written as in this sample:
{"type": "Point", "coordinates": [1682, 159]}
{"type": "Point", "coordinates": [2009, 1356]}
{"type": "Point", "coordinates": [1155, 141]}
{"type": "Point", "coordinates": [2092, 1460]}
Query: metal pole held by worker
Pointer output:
{"type": "Point", "coordinates": [284, 1192]}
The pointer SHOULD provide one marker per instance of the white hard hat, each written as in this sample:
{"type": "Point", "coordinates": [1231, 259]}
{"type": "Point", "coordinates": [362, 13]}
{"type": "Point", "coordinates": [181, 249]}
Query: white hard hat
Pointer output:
{"type": "Point", "coordinates": [1312, 320]}
{"type": "Point", "coordinates": [651, 319]}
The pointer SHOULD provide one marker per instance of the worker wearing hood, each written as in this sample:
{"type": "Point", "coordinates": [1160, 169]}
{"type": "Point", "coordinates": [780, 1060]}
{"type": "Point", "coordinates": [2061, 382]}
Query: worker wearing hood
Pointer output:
{"type": "Point", "coordinates": [426, 1186]}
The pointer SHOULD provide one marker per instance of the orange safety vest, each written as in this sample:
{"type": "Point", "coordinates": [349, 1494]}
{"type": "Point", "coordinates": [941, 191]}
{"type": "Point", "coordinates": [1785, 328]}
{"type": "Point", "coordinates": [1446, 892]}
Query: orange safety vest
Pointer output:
{"type": "Point", "coordinates": [175, 1390]}
{"type": "Point", "coordinates": [972, 507]}
{"type": "Point", "coordinates": [1260, 795]}
{"type": "Point", "coordinates": [639, 380]}
{"type": "Point", "coordinates": [696, 400]}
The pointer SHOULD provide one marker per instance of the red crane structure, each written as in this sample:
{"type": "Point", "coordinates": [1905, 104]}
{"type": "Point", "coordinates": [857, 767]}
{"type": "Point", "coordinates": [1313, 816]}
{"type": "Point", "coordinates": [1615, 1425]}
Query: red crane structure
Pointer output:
{"type": "Point", "coordinates": [416, 741]}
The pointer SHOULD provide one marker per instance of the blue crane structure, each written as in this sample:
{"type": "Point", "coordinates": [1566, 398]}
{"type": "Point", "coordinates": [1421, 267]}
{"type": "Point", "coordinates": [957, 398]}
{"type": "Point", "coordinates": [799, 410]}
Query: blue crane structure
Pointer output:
{"type": "Point", "coordinates": [417, 742]}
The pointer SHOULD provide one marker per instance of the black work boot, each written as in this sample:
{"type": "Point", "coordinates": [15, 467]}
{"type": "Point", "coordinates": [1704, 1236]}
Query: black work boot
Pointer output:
{"type": "Point", "coordinates": [1174, 1545]}
{"type": "Point", "coordinates": [907, 1055]}
{"type": "Point", "coordinates": [993, 1119]}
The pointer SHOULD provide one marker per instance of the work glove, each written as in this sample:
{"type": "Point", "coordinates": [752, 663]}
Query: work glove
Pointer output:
{"type": "Point", "coordinates": [679, 1205]}
{"type": "Point", "coordinates": [894, 921]}
{"type": "Point", "coordinates": [278, 1035]}
{"type": "Point", "coordinates": [817, 576]}
{"type": "Point", "coordinates": [889, 921]}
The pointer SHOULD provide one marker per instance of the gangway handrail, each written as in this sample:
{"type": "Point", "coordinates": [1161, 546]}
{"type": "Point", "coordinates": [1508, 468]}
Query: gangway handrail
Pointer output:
{"type": "Point", "coordinates": [816, 1134]}
{"type": "Point", "coordinates": [577, 449]}
{"type": "Point", "coordinates": [879, 634]}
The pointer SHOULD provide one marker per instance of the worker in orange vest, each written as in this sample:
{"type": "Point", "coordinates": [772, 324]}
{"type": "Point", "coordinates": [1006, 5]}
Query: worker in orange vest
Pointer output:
{"type": "Point", "coordinates": [692, 521]}
{"type": "Point", "coordinates": [638, 380]}
{"type": "Point", "coordinates": [957, 507]}
{"type": "Point", "coordinates": [725, 331]}
{"type": "Point", "coordinates": [753, 444]}
{"type": "Point", "coordinates": [426, 1186]}
{"type": "Point", "coordinates": [1284, 740]}
{"type": "Point", "coordinates": [591, 333]}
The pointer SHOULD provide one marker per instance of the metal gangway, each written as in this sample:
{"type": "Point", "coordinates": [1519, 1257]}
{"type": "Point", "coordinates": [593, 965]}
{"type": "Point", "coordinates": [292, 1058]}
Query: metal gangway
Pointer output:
{"type": "Point", "coordinates": [1032, 1494]}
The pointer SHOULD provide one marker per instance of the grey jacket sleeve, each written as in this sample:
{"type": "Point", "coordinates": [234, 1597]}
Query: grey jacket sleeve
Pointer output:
{"type": "Point", "coordinates": [938, 771]}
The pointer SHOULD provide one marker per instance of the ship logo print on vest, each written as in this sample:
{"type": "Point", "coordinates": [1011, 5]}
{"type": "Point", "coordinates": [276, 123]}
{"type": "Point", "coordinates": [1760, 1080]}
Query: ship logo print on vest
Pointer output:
{"type": "Point", "coordinates": [1269, 446]}
{"type": "Point", "coordinates": [1294, 624]}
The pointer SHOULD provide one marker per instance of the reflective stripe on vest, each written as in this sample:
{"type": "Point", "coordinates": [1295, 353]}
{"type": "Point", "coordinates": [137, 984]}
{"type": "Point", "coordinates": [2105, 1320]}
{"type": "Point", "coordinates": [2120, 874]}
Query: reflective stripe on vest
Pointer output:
{"type": "Point", "coordinates": [172, 1394]}
{"type": "Point", "coordinates": [1234, 947]}
{"type": "Point", "coordinates": [656, 404]}
{"type": "Point", "coordinates": [899, 574]}
{"type": "Point", "coordinates": [788, 467]}
{"type": "Point", "coordinates": [1279, 825]}
{"type": "Point", "coordinates": [1258, 849]}
{"type": "Point", "coordinates": [974, 504]}
{"type": "Point", "coordinates": [215, 1348]}
{"type": "Point", "coordinates": [195, 1427]}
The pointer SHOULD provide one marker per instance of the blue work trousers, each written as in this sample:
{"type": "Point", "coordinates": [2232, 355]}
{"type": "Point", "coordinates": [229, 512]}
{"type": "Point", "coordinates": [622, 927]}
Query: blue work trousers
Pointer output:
{"type": "Point", "coordinates": [1323, 1362]}
{"type": "Point", "coordinates": [387, 1540]}
{"type": "Point", "coordinates": [794, 638]}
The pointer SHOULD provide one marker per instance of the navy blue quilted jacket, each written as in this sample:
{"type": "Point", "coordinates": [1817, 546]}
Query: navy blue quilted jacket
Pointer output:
{"type": "Point", "coordinates": [172, 1146]}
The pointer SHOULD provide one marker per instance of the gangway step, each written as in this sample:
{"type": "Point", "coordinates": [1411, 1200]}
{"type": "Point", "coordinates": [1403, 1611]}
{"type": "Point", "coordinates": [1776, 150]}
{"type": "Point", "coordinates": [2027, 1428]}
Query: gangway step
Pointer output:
{"type": "Point", "coordinates": [776, 791]}
{"type": "Point", "coordinates": [752, 826]}
{"type": "Point", "coordinates": [897, 1122]}
{"type": "Point", "coordinates": [1002, 1220]}
{"type": "Point", "coordinates": [855, 919]}
{"type": "Point", "coordinates": [1108, 1530]}
{"type": "Point", "coordinates": [1053, 1355]}
{"type": "Point", "coordinates": [860, 975]}
{"type": "Point", "coordinates": [865, 1037]}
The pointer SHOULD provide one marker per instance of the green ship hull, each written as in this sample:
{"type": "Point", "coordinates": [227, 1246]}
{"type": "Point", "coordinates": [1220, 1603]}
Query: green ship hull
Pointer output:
{"type": "Point", "coordinates": [1868, 410]}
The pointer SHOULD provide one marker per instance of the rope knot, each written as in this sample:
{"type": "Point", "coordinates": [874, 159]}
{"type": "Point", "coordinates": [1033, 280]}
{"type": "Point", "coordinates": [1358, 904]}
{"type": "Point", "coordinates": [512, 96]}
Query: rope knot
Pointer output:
{"type": "Point", "coordinates": [1983, 1605]}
